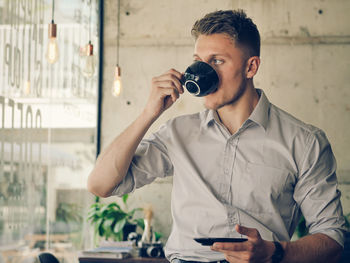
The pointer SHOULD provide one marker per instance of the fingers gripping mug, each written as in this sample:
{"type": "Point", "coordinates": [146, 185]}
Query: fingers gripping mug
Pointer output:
{"type": "Point", "coordinates": [200, 79]}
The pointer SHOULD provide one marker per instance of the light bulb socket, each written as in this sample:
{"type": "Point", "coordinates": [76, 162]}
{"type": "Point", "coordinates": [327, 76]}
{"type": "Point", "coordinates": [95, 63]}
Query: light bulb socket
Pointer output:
{"type": "Point", "coordinates": [117, 71]}
{"type": "Point", "coordinates": [89, 49]}
{"type": "Point", "coordinates": [52, 30]}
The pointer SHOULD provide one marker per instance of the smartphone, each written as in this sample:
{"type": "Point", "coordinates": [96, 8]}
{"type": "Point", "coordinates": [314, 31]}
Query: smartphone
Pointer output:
{"type": "Point", "coordinates": [208, 241]}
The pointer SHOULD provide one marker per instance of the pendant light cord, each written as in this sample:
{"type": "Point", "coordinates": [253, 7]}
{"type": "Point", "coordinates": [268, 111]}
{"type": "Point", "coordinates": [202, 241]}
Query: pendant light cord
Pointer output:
{"type": "Point", "coordinates": [53, 10]}
{"type": "Point", "coordinates": [90, 22]}
{"type": "Point", "coordinates": [118, 33]}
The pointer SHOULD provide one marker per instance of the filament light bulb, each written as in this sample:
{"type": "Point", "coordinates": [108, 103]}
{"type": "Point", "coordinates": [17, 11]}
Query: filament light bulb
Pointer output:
{"type": "Point", "coordinates": [52, 53]}
{"type": "Point", "coordinates": [27, 87]}
{"type": "Point", "coordinates": [117, 83]}
{"type": "Point", "coordinates": [89, 67]}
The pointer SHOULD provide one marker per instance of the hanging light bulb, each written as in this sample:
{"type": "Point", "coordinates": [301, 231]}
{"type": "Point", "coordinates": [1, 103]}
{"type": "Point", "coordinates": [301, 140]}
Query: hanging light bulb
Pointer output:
{"type": "Point", "coordinates": [52, 53]}
{"type": "Point", "coordinates": [89, 67]}
{"type": "Point", "coordinates": [117, 83]}
{"type": "Point", "coordinates": [27, 87]}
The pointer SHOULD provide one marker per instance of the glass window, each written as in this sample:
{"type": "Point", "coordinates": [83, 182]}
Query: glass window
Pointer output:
{"type": "Point", "coordinates": [47, 126]}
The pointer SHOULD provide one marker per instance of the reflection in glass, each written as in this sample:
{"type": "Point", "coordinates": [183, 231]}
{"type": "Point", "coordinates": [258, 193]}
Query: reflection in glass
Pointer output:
{"type": "Point", "coordinates": [52, 50]}
{"type": "Point", "coordinates": [27, 87]}
{"type": "Point", "coordinates": [117, 83]}
{"type": "Point", "coordinates": [89, 67]}
{"type": "Point", "coordinates": [47, 128]}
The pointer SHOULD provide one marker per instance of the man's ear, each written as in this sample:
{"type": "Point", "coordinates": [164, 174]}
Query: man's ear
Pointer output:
{"type": "Point", "coordinates": [252, 67]}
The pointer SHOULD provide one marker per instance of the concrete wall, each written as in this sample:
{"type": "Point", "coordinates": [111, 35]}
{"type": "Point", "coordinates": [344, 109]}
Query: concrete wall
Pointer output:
{"type": "Point", "coordinates": [305, 69]}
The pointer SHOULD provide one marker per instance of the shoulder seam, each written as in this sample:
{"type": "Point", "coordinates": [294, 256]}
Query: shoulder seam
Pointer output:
{"type": "Point", "coordinates": [295, 121]}
{"type": "Point", "coordinates": [310, 138]}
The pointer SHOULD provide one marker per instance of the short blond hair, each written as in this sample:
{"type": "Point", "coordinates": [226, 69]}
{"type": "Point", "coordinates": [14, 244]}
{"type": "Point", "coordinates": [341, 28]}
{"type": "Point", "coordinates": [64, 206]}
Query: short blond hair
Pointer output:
{"type": "Point", "coordinates": [233, 23]}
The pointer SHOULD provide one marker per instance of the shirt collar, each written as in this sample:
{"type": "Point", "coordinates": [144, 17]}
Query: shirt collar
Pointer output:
{"type": "Point", "coordinates": [212, 115]}
{"type": "Point", "coordinates": [260, 114]}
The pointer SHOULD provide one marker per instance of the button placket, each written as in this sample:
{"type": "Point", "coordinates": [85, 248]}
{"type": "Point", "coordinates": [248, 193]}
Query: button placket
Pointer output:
{"type": "Point", "coordinates": [225, 183]}
{"type": "Point", "coordinates": [234, 176]}
{"type": "Point", "coordinates": [232, 148]}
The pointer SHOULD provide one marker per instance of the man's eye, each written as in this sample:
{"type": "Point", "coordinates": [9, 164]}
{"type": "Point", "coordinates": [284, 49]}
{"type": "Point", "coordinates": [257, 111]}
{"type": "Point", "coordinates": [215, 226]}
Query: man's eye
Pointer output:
{"type": "Point", "coordinates": [218, 61]}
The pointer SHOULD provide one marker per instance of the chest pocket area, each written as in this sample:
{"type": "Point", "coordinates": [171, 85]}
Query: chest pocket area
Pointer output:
{"type": "Point", "coordinates": [260, 188]}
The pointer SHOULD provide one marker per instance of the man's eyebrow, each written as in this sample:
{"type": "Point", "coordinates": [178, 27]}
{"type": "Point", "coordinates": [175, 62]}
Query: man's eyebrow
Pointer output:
{"type": "Point", "coordinates": [212, 55]}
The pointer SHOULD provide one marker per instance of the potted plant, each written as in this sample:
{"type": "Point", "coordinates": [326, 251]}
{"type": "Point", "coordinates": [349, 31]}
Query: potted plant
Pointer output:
{"type": "Point", "coordinates": [111, 222]}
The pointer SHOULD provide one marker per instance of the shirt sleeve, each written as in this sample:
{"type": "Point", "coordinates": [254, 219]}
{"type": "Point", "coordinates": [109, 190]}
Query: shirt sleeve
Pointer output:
{"type": "Point", "coordinates": [150, 161]}
{"type": "Point", "coordinates": [316, 190]}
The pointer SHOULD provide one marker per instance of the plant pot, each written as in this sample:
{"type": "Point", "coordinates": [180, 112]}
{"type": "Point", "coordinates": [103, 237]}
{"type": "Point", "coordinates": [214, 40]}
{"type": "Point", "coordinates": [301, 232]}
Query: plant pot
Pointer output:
{"type": "Point", "coordinates": [128, 228]}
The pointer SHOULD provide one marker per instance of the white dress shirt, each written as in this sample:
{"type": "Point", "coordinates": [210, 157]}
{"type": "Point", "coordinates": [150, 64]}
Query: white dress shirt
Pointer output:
{"type": "Point", "coordinates": [264, 176]}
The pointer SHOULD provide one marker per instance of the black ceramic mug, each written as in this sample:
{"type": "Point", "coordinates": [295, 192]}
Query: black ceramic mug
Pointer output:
{"type": "Point", "coordinates": [200, 79]}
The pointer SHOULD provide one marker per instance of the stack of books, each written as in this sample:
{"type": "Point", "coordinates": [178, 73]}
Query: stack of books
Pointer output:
{"type": "Point", "coordinates": [109, 250]}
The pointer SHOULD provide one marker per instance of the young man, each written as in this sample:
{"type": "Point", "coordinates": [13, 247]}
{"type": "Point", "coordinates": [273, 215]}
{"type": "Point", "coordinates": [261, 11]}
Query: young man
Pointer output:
{"type": "Point", "coordinates": [243, 166]}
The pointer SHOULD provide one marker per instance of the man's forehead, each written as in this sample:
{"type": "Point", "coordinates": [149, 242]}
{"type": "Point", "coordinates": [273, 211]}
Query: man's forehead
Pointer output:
{"type": "Point", "coordinates": [216, 36]}
{"type": "Point", "coordinates": [215, 44]}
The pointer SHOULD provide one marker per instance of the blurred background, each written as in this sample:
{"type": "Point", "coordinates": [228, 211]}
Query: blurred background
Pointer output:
{"type": "Point", "coordinates": [58, 110]}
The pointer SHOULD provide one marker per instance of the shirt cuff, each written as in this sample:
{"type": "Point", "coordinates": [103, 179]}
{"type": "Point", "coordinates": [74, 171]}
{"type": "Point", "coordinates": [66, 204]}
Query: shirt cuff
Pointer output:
{"type": "Point", "coordinates": [336, 234]}
{"type": "Point", "coordinates": [124, 187]}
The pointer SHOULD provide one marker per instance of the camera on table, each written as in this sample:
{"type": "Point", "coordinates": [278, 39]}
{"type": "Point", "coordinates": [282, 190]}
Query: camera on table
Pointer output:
{"type": "Point", "coordinates": [151, 250]}
{"type": "Point", "coordinates": [148, 249]}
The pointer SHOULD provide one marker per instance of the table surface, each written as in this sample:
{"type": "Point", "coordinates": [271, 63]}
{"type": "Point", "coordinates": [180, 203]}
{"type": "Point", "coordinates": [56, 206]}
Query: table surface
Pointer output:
{"type": "Point", "coordinates": [125, 260]}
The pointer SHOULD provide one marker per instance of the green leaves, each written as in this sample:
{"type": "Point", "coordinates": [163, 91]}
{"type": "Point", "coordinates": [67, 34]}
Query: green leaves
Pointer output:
{"type": "Point", "coordinates": [132, 212]}
{"type": "Point", "coordinates": [110, 219]}
{"type": "Point", "coordinates": [158, 235]}
{"type": "Point", "coordinates": [119, 225]}
{"type": "Point", "coordinates": [301, 228]}
{"type": "Point", "coordinates": [140, 222]}
{"type": "Point", "coordinates": [125, 198]}
{"type": "Point", "coordinates": [67, 212]}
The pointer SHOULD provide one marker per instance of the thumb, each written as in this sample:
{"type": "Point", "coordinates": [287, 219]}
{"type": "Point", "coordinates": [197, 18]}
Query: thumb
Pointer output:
{"type": "Point", "coordinates": [249, 232]}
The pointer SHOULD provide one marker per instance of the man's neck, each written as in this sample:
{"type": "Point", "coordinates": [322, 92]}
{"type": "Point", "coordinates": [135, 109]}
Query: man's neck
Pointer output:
{"type": "Point", "coordinates": [234, 115]}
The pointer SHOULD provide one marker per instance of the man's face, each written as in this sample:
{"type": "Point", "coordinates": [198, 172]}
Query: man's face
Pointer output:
{"type": "Point", "coordinates": [221, 53]}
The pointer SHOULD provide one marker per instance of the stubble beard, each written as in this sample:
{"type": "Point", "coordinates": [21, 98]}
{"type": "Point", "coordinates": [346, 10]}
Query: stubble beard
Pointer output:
{"type": "Point", "coordinates": [241, 89]}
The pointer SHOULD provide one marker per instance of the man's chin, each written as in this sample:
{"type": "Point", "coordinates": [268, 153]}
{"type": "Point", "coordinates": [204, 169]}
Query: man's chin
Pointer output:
{"type": "Point", "coordinates": [210, 105]}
